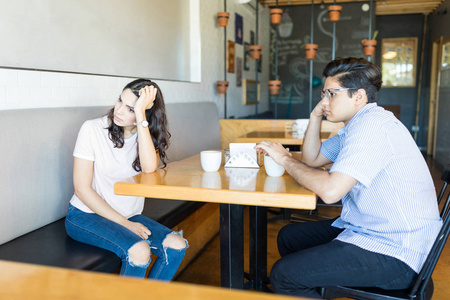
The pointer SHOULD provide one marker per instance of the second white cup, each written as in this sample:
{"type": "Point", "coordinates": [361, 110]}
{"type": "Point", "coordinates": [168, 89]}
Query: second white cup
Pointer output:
{"type": "Point", "coordinates": [272, 168]}
{"type": "Point", "coordinates": [211, 160]}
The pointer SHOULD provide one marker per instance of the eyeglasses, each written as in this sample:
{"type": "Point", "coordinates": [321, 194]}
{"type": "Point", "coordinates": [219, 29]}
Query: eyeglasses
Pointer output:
{"type": "Point", "coordinates": [327, 92]}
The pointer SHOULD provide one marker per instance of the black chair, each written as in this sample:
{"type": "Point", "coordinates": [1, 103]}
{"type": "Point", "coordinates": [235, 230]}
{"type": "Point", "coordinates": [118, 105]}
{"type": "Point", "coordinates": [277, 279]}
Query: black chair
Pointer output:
{"type": "Point", "coordinates": [422, 286]}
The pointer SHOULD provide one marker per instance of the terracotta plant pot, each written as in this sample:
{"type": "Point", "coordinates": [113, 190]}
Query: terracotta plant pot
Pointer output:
{"type": "Point", "coordinates": [222, 86]}
{"type": "Point", "coordinates": [334, 11]}
{"type": "Point", "coordinates": [255, 51]}
{"type": "Point", "coordinates": [222, 17]}
{"type": "Point", "coordinates": [369, 47]}
{"type": "Point", "coordinates": [274, 87]}
{"type": "Point", "coordinates": [310, 50]}
{"type": "Point", "coordinates": [275, 15]}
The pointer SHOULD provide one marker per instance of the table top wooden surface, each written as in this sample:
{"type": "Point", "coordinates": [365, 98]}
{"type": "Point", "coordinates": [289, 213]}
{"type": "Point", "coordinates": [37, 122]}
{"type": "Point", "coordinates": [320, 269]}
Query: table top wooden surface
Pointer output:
{"type": "Point", "coordinates": [21, 281]}
{"type": "Point", "coordinates": [186, 180]}
{"type": "Point", "coordinates": [276, 136]}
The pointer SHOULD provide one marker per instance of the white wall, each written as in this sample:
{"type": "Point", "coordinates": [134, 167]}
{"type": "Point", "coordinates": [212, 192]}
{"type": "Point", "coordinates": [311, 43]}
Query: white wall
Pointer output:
{"type": "Point", "coordinates": [21, 89]}
{"type": "Point", "coordinates": [114, 38]}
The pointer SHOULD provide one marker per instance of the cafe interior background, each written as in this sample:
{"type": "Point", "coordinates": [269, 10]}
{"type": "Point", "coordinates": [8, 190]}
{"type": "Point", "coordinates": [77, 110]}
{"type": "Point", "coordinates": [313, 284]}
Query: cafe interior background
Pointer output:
{"type": "Point", "coordinates": [81, 53]}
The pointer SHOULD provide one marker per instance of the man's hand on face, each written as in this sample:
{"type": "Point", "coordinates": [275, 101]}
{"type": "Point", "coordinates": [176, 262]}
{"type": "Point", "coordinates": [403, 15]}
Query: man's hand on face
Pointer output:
{"type": "Point", "coordinates": [320, 110]}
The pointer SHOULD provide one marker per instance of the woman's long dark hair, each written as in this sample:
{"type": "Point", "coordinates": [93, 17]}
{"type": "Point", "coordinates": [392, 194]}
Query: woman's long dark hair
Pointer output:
{"type": "Point", "coordinates": [157, 120]}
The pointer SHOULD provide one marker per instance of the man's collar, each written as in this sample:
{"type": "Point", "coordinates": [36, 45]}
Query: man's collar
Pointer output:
{"type": "Point", "coordinates": [357, 116]}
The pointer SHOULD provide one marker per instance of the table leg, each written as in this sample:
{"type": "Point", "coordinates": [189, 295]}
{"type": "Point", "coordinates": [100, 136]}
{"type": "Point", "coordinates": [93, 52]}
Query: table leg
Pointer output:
{"type": "Point", "coordinates": [232, 246]}
{"type": "Point", "coordinates": [258, 246]}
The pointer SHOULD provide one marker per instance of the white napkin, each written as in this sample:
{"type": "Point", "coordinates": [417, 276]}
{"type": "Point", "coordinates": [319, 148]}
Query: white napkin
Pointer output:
{"type": "Point", "coordinates": [242, 155]}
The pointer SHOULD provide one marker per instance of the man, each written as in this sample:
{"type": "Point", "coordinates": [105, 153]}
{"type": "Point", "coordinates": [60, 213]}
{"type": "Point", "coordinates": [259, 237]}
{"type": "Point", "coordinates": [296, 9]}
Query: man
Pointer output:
{"type": "Point", "coordinates": [389, 217]}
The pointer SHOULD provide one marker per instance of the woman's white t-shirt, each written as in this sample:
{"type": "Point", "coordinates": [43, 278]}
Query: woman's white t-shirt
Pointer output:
{"type": "Point", "coordinates": [110, 166]}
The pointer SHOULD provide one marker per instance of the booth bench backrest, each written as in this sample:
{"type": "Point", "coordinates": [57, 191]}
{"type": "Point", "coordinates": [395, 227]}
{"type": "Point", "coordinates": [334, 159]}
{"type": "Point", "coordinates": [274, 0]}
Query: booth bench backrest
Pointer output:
{"type": "Point", "coordinates": [37, 163]}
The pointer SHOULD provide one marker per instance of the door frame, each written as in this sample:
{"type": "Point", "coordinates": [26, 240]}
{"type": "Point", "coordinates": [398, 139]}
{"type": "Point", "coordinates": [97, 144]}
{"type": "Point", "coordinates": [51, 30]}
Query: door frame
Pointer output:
{"type": "Point", "coordinates": [435, 84]}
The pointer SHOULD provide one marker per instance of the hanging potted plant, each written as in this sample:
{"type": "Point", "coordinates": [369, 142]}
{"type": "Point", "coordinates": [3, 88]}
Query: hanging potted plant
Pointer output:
{"type": "Point", "coordinates": [255, 51]}
{"type": "Point", "coordinates": [275, 15]}
{"type": "Point", "coordinates": [222, 86]}
{"type": "Point", "coordinates": [334, 11]}
{"type": "Point", "coordinates": [222, 17]}
{"type": "Point", "coordinates": [369, 45]}
{"type": "Point", "coordinates": [274, 87]}
{"type": "Point", "coordinates": [310, 50]}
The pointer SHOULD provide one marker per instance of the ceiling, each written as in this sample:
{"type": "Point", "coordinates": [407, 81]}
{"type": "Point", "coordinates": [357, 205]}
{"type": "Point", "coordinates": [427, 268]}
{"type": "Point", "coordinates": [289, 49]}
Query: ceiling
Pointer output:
{"type": "Point", "coordinates": [383, 7]}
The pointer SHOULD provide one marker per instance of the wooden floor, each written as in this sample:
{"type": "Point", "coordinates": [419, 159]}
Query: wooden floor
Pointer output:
{"type": "Point", "coordinates": [205, 269]}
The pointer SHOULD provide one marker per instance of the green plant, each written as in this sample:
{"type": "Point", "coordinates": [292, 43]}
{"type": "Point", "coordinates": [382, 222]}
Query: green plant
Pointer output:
{"type": "Point", "coordinates": [375, 33]}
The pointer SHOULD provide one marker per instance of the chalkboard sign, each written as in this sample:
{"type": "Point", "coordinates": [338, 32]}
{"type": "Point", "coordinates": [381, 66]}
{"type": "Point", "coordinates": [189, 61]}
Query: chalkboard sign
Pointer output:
{"type": "Point", "coordinates": [294, 32]}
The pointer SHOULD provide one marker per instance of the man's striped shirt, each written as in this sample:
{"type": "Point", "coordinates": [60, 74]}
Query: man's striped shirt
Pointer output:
{"type": "Point", "coordinates": [392, 209]}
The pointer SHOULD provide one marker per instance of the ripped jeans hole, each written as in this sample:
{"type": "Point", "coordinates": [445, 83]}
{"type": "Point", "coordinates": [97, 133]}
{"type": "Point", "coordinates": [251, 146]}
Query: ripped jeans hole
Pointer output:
{"type": "Point", "coordinates": [139, 265]}
{"type": "Point", "coordinates": [165, 248]}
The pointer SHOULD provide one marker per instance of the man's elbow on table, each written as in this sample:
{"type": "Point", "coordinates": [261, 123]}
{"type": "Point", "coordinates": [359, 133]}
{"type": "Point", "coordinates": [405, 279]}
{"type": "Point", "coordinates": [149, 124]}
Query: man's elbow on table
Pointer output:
{"type": "Point", "coordinates": [310, 162]}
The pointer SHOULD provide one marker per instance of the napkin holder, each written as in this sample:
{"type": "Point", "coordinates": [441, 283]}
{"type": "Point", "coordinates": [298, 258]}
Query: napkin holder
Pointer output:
{"type": "Point", "coordinates": [241, 160]}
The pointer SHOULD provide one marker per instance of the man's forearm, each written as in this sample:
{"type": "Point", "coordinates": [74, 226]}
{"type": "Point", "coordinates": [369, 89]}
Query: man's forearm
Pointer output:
{"type": "Point", "coordinates": [316, 180]}
{"type": "Point", "coordinates": [312, 141]}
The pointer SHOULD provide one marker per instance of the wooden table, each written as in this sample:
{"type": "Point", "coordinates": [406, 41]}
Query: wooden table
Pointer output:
{"type": "Point", "coordinates": [277, 136]}
{"type": "Point", "coordinates": [232, 188]}
{"type": "Point", "coordinates": [19, 281]}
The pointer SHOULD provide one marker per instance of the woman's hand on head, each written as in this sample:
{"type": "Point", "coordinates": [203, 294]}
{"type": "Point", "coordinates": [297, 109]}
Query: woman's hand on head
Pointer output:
{"type": "Point", "coordinates": [147, 96]}
{"type": "Point", "coordinates": [138, 229]}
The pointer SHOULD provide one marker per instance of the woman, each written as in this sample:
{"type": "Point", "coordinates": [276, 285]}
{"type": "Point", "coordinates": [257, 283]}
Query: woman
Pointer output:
{"type": "Point", "coordinates": [130, 139]}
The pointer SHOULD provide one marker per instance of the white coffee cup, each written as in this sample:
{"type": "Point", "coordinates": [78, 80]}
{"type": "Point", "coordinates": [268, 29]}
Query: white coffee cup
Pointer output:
{"type": "Point", "coordinates": [211, 160]}
{"type": "Point", "coordinates": [272, 168]}
{"type": "Point", "coordinates": [302, 125]}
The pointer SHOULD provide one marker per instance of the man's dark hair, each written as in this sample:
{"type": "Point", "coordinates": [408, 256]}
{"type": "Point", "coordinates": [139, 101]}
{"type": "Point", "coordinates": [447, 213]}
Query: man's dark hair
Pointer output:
{"type": "Point", "coordinates": [356, 73]}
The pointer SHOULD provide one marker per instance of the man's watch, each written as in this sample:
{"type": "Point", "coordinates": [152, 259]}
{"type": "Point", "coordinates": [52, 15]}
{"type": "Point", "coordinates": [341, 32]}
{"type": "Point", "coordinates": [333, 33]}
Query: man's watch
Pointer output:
{"type": "Point", "coordinates": [144, 123]}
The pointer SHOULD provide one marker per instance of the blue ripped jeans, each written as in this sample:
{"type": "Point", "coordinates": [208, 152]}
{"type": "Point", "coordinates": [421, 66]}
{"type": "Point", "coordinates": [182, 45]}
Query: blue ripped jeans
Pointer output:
{"type": "Point", "coordinates": [92, 229]}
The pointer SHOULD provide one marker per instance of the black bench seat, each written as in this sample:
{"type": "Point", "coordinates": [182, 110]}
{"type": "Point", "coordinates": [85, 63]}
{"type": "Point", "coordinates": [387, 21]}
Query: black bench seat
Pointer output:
{"type": "Point", "coordinates": [51, 246]}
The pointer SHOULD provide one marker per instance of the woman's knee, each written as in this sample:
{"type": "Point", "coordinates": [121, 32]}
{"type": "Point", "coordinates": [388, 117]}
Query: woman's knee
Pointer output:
{"type": "Point", "coordinates": [139, 253]}
{"type": "Point", "coordinates": [174, 241]}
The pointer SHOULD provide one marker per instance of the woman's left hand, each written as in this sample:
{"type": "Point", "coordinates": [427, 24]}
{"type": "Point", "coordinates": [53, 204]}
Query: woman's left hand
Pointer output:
{"type": "Point", "coordinates": [147, 96]}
